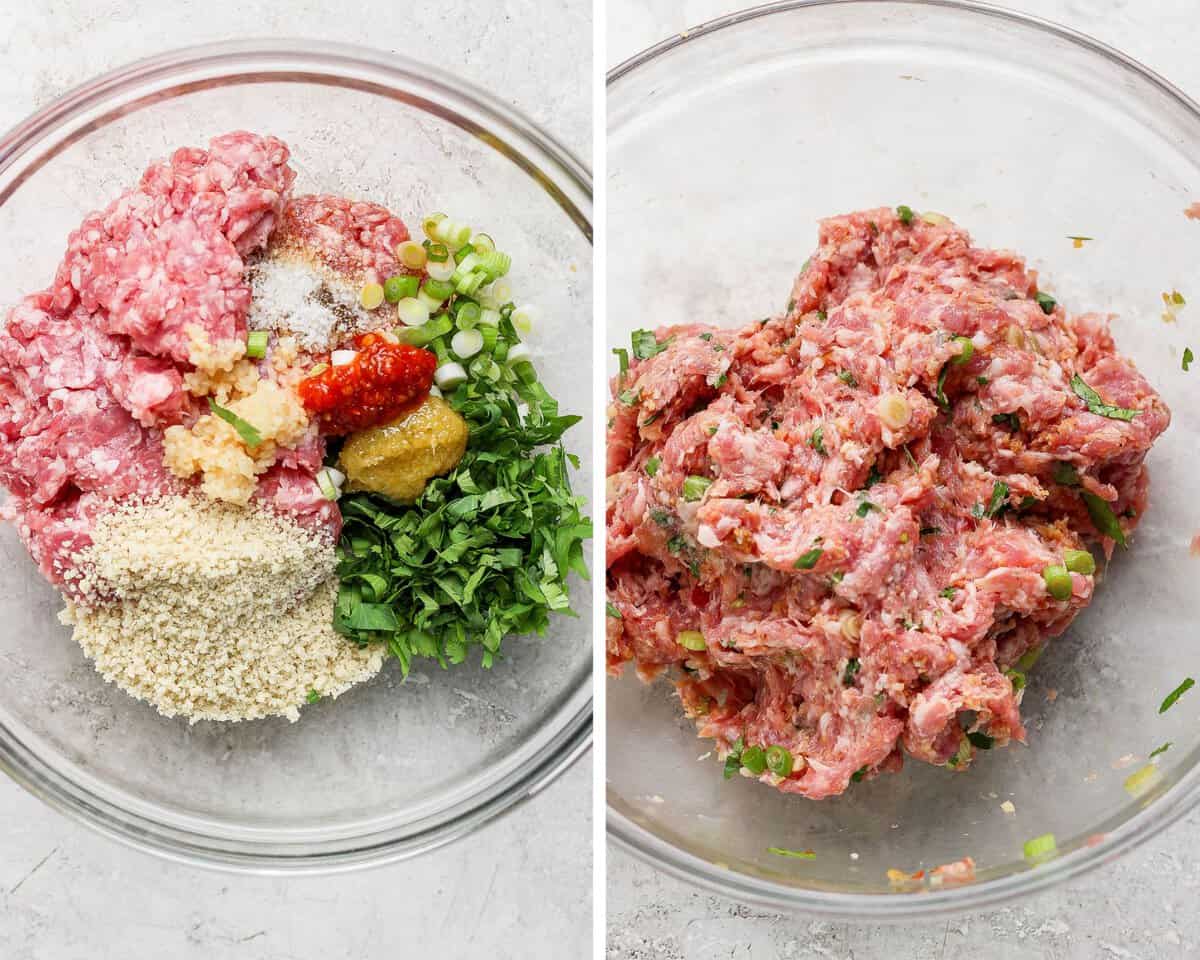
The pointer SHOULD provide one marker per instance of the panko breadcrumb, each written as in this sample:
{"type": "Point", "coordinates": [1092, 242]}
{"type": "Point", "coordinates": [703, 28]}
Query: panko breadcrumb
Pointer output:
{"type": "Point", "coordinates": [213, 612]}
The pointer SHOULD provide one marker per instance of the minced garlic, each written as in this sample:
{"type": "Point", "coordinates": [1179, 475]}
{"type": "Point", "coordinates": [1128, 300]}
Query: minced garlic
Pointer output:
{"type": "Point", "coordinates": [203, 354]}
{"type": "Point", "coordinates": [213, 448]}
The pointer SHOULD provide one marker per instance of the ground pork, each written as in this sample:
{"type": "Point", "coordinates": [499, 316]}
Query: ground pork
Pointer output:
{"type": "Point", "coordinates": [853, 503]}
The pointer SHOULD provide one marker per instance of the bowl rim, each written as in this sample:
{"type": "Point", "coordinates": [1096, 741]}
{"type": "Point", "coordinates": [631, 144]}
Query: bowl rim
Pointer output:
{"type": "Point", "coordinates": [210, 842]}
{"type": "Point", "coordinates": [1180, 799]}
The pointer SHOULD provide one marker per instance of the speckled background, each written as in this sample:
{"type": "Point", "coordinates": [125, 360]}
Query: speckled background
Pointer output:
{"type": "Point", "coordinates": [1142, 907]}
{"type": "Point", "coordinates": [520, 888]}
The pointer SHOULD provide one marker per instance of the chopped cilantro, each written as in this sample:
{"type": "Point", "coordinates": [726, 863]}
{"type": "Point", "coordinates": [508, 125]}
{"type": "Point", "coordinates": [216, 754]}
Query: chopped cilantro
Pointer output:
{"type": "Point", "coordinates": [652, 466]}
{"type": "Point", "coordinates": [849, 380]}
{"type": "Point", "coordinates": [313, 697]}
{"type": "Point", "coordinates": [706, 336]}
{"type": "Point", "coordinates": [905, 213]}
{"type": "Point", "coordinates": [982, 381]}
{"type": "Point", "coordinates": [1011, 420]}
{"type": "Point", "coordinates": [948, 592]}
{"type": "Point", "coordinates": [612, 611]}
{"type": "Point", "coordinates": [660, 516]}
{"type": "Point", "coordinates": [1175, 694]}
{"type": "Point", "coordinates": [1046, 302]}
{"type": "Point", "coordinates": [981, 740]}
{"type": "Point", "coordinates": [998, 501]}
{"type": "Point", "coordinates": [1098, 406]}
{"type": "Point", "coordinates": [1103, 517]}
{"type": "Point", "coordinates": [797, 854]}
{"type": "Point", "coordinates": [873, 477]}
{"type": "Point", "coordinates": [1066, 474]}
{"type": "Point", "coordinates": [646, 345]}
{"type": "Point", "coordinates": [864, 508]}
{"type": "Point", "coordinates": [808, 560]}
{"type": "Point", "coordinates": [675, 544]}
{"type": "Point", "coordinates": [852, 667]}
{"type": "Point", "coordinates": [629, 397]}
{"type": "Point", "coordinates": [857, 775]}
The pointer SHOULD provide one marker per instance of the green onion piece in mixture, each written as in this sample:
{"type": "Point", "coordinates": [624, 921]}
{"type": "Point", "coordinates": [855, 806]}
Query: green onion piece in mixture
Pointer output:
{"type": "Point", "coordinates": [1066, 474]}
{"type": "Point", "coordinates": [1039, 848]}
{"type": "Point", "coordinates": [905, 213]}
{"type": "Point", "coordinates": [400, 286]}
{"type": "Point", "coordinates": [1017, 678]}
{"type": "Point", "coordinates": [1079, 561]}
{"type": "Point", "coordinates": [313, 696]}
{"type": "Point", "coordinates": [652, 466]}
{"type": "Point", "coordinates": [981, 740]}
{"type": "Point", "coordinates": [1175, 694]}
{"type": "Point", "coordinates": [967, 352]}
{"type": "Point", "coordinates": [691, 640]}
{"type": "Point", "coordinates": [853, 665]}
{"type": "Point", "coordinates": [256, 344]}
{"type": "Point", "coordinates": [754, 759]}
{"type": "Point", "coordinates": [1103, 517]}
{"type": "Point", "coordinates": [645, 345]}
{"type": "Point", "coordinates": [694, 487]}
{"type": "Point", "coordinates": [612, 611]}
{"type": "Point", "coordinates": [250, 436]}
{"type": "Point", "coordinates": [779, 761]}
{"type": "Point", "coordinates": [857, 775]}
{"type": "Point", "coordinates": [817, 441]}
{"type": "Point", "coordinates": [623, 359]}
{"type": "Point", "coordinates": [1058, 582]}
{"type": "Point", "coordinates": [1157, 750]}
{"type": "Point", "coordinates": [1188, 357]}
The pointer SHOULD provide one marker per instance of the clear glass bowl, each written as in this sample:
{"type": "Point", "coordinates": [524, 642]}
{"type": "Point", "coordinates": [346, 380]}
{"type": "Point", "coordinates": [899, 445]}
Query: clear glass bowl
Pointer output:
{"type": "Point", "coordinates": [725, 145]}
{"type": "Point", "coordinates": [391, 768]}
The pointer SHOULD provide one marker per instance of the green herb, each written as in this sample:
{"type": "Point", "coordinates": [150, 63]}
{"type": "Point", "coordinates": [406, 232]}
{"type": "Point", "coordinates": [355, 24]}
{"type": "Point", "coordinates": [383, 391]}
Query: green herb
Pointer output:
{"type": "Point", "coordinates": [1103, 517]}
{"type": "Point", "coordinates": [1157, 750]}
{"type": "Point", "coordinates": [1066, 474]}
{"type": "Point", "coordinates": [864, 508]}
{"type": "Point", "coordinates": [981, 740]}
{"type": "Point", "coordinates": [706, 336]}
{"type": "Point", "coordinates": [612, 611]}
{"type": "Point", "coordinates": [982, 381]}
{"type": "Point", "coordinates": [873, 477]}
{"type": "Point", "coordinates": [1175, 694]}
{"type": "Point", "coordinates": [313, 696]}
{"type": "Point", "coordinates": [733, 759]}
{"type": "Point", "coordinates": [940, 395]}
{"type": "Point", "coordinates": [808, 560]}
{"type": "Point", "coordinates": [1030, 657]}
{"type": "Point", "coordinates": [711, 431]}
{"type": "Point", "coordinates": [754, 759]}
{"type": "Point", "coordinates": [629, 397]}
{"type": "Point", "coordinates": [852, 667]}
{"type": "Point", "coordinates": [675, 544]}
{"type": "Point", "coordinates": [721, 381]}
{"type": "Point", "coordinates": [857, 775]}
{"type": "Point", "coordinates": [1058, 582]}
{"type": "Point", "coordinates": [1188, 357]}
{"type": "Point", "coordinates": [1046, 302]}
{"type": "Point", "coordinates": [1098, 406]}
{"type": "Point", "coordinates": [1010, 420]}
{"type": "Point", "coordinates": [486, 550]}
{"type": "Point", "coordinates": [694, 487]}
{"type": "Point", "coordinates": [622, 356]}
{"type": "Point", "coordinates": [652, 466]}
{"type": "Point", "coordinates": [645, 345]}
{"type": "Point", "coordinates": [977, 511]}
{"type": "Point", "coordinates": [650, 419]}
{"type": "Point", "coordinates": [250, 436]}
{"type": "Point", "coordinates": [1078, 238]}
{"type": "Point", "coordinates": [966, 351]}
{"type": "Point", "coordinates": [849, 380]}
{"type": "Point", "coordinates": [817, 441]}
{"type": "Point", "coordinates": [905, 213]}
{"type": "Point", "coordinates": [779, 761]}
{"type": "Point", "coordinates": [658, 514]}
{"type": "Point", "coordinates": [948, 592]}
{"type": "Point", "coordinates": [1017, 678]}
{"type": "Point", "coordinates": [797, 854]}
{"type": "Point", "coordinates": [999, 499]}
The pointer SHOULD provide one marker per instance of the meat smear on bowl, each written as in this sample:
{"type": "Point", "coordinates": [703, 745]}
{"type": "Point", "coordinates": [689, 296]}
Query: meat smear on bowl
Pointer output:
{"type": "Point", "coordinates": [852, 526]}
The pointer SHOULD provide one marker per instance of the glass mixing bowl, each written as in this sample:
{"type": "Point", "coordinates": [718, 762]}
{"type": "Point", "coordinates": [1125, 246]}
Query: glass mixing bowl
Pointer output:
{"type": "Point", "coordinates": [391, 768]}
{"type": "Point", "coordinates": [725, 145]}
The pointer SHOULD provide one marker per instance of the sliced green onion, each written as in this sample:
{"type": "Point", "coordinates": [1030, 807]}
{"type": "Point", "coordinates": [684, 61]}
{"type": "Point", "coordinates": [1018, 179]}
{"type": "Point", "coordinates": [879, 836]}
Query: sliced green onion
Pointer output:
{"type": "Point", "coordinates": [250, 436]}
{"type": "Point", "coordinates": [490, 337]}
{"type": "Point", "coordinates": [612, 611]}
{"type": "Point", "coordinates": [967, 352]}
{"type": "Point", "coordinates": [256, 344]}
{"type": "Point", "coordinates": [453, 234]}
{"type": "Point", "coordinates": [441, 270]}
{"type": "Point", "coordinates": [1017, 678]}
{"type": "Point", "coordinates": [1040, 848]}
{"type": "Point", "coordinates": [1157, 750]}
{"type": "Point", "coordinates": [469, 285]}
{"type": "Point", "coordinates": [523, 318]}
{"type": "Point", "coordinates": [652, 466]}
{"type": "Point", "coordinates": [370, 296]}
{"type": "Point", "coordinates": [482, 243]}
{"type": "Point", "coordinates": [436, 253]}
{"type": "Point", "coordinates": [466, 343]}
{"type": "Point", "coordinates": [489, 317]}
{"type": "Point", "coordinates": [1188, 357]}
{"type": "Point", "coordinates": [467, 316]}
{"type": "Point", "coordinates": [905, 213]}
{"type": "Point", "coordinates": [779, 760]}
{"type": "Point", "coordinates": [464, 268]}
{"type": "Point", "coordinates": [449, 375]}
{"type": "Point", "coordinates": [432, 225]}
{"type": "Point", "coordinates": [400, 286]}
{"type": "Point", "coordinates": [518, 353]}
{"type": "Point", "coordinates": [495, 264]}
{"type": "Point", "coordinates": [1079, 561]}
{"type": "Point", "coordinates": [412, 255]}
{"type": "Point", "coordinates": [1103, 517]}
{"type": "Point", "coordinates": [313, 696]}
{"type": "Point", "coordinates": [754, 759]}
{"type": "Point", "coordinates": [1058, 582]}
{"type": "Point", "coordinates": [694, 487]}
{"type": "Point", "coordinates": [691, 640]}
{"type": "Point", "coordinates": [1175, 694]}
{"type": "Point", "coordinates": [420, 335]}
{"type": "Point", "coordinates": [1030, 657]}
{"type": "Point", "coordinates": [853, 665]}
{"type": "Point", "coordinates": [329, 489]}
{"type": "Point", "coordinates": [438, 289]}
{"type": "Point", "coordinates": [431, 304]}
{"type": "Point", "coordinates": [1066, 474]}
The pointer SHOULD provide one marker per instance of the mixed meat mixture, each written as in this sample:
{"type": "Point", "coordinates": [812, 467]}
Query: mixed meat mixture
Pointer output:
{"type": "Point", "coordinates": [852, 526]}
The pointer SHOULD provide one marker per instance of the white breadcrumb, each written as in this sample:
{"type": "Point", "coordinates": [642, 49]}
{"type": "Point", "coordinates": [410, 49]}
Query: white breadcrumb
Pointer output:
{"type": "Point", "coordinates": [213, 612]}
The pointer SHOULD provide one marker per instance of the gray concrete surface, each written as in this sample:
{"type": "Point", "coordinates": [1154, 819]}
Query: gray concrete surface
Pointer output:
{"type": "Point", "coordinates": [520, 888]}
{"type": "Point", "coordinates": [1143, 907]}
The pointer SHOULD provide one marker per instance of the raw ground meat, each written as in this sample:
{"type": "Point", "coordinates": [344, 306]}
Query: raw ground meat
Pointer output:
{"type": "Point", "coordinates": [350, 237]}
{"type": "Point", "coordinates": [862, 588]}
{"type": "Point", "coordinates": [91, 370]}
